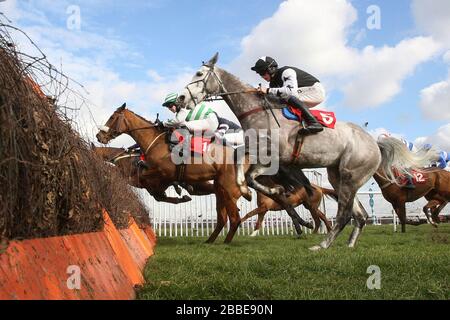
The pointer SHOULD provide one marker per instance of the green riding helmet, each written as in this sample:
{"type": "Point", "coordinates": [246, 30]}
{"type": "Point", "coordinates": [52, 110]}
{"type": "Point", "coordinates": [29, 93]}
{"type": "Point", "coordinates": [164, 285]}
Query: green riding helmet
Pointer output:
{"type": "Point", "coordinates": [171, 99]}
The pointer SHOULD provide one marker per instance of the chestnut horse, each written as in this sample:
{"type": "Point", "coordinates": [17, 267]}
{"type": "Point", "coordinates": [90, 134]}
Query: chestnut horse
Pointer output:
{"type": "Point", "coordinates": [297, 197]}
{"type": "Point", "coordinates": [435, 188]}
{"type": "Point", "coordinates": [148, 178]}
{"type": "Point", "coordinates": [217, 164]}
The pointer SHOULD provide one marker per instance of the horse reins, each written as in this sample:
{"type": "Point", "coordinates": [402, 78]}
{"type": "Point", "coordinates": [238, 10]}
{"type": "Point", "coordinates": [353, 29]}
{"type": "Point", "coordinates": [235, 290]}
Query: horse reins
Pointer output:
{"type": "Point", "coordinates": [224, 93]}
{"type": "Point", "coordinates": [122, 117]}
{"type": "Point", "coordinates": [153, 142]}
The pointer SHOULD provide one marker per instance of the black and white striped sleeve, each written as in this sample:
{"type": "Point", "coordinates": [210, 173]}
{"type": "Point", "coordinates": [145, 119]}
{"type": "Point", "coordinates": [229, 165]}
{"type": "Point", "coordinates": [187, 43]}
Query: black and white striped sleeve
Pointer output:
{"type": "Point", "coordinates": [290, 84]}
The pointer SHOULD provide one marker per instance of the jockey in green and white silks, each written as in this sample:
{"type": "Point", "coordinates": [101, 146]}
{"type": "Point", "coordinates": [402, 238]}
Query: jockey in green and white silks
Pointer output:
{"type": "Point", "coordinates": [204, 118]}
{"type": "Point", "coordinates": [201, 118]}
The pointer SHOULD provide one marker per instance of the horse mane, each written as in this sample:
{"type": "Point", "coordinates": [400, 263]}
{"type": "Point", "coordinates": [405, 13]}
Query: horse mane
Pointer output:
{"type": "Point", "coordinates": [232, 78]}
{"type": "Point", "coordinates": [140, 117]}
{"type": "Point", "coordinates": [235, 81]}
{"type": "Point", "coordinates": [238, 83]}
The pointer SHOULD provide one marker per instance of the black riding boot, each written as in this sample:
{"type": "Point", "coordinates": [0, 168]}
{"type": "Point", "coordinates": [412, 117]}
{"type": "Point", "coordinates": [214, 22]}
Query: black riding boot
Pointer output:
{"type": "Point", "coordinates": [410, 185]}
{"type": "Point", "coordinates": [311, 123]}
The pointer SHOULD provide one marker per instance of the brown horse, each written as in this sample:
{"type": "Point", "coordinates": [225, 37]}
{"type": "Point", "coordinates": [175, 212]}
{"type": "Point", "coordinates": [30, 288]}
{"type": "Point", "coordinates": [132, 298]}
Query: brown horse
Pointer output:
{"type": "Point", "coordinates": [438, 197]}
{"type": "Point", "coordinates": [147, 178]}
{"type": "Point", "coordinates": [297, 197]}
{"type": "Point", "coordinates": [216, 164]}
{"type": "Point", "coordinates": [435, 188]}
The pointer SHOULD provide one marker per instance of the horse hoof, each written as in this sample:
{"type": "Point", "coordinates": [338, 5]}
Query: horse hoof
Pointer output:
{"type": "Point", "coordinates": [309, 225]}
{"type": "Point", "coordinates": [316, 248]}
{"type": "Point", "coordinates": [254, 234]}
{"type": "Point", "coordinates": [434, 225]}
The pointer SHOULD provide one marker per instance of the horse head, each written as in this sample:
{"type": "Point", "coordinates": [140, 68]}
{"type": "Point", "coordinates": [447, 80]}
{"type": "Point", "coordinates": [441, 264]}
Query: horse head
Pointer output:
{"type": "Point", "coordinates": [204, 83]}
{"type": "Point", "coordinates": [114, 127]}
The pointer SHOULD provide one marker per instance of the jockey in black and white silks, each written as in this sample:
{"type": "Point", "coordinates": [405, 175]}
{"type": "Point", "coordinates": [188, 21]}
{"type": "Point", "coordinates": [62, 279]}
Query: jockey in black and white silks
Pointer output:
{"type": "Point", "coordinates": [296, 87]}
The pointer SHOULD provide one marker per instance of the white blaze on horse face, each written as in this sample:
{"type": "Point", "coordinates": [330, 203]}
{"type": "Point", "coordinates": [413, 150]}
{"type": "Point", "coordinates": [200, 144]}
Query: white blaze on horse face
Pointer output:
{"type": "Point", "coordinates": [195, 91]}
{"type": "Point", "coordinates": [105, 129]}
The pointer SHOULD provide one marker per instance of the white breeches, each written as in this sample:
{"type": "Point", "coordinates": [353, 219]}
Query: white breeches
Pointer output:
{"type": "Point", "coordinates": [209, 124]}
{"type": "Point", "coordinates": [312, 96]}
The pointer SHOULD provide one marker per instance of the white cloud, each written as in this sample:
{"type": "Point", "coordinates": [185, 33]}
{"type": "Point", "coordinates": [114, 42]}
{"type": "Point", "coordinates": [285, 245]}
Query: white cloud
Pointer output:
{"type": "Point", "coordinates": [440, 139]}
{"type": "Point", "coordinates": [314, 35]}
{"type": "Point", "coordinates": [383, 71]}
{"type": "Point", "coordinates": [435, 101]}
{"type": "Point", "coordinates": [433, 17]}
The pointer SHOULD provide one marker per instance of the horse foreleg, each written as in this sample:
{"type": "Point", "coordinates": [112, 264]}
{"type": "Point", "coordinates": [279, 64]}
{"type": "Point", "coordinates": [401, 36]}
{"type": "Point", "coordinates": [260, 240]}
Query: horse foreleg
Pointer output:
{"type": "Point", "coordinates": [235, 220]}
{"type": "Point", "coordinates": [221, 220]}
{"type": "Point", "coordinates": [162, 197]}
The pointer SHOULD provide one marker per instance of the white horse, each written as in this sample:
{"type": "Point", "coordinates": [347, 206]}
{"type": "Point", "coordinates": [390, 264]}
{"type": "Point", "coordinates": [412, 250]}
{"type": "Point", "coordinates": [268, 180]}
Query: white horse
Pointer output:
{"type": "Point", "coordinates": [349, 153]}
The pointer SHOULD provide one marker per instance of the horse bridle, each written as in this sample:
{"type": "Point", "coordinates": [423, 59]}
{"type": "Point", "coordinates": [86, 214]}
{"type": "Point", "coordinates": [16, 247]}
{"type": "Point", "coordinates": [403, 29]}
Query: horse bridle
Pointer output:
{"type": "Point", "coordinates": [204, 80]}
{"type": "Point", "coordinates": [222, 92]}
{"type": "Point", "coordinates": [115, 133]}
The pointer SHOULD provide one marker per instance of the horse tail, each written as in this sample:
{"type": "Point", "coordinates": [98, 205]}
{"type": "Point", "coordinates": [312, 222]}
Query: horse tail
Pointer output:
{"type": "Point", "coordinates": [396, 156]}
{"type": "Point", "coordinates": [303, 179]}
{"type": "Point", "coordinates": [330, 193]}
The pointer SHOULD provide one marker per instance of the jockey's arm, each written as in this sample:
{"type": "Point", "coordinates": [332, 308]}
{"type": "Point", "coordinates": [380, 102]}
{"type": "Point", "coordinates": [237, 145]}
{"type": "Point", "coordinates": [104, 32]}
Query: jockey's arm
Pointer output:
{"type": "Point", "coordinates": [290, 85]}
{"type": "Point", "coordinates": [179, 119]}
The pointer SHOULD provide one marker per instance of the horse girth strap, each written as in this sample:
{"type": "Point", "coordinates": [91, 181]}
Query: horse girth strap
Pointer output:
{"type": "Point", "coordinates": [180, 170]}
{"type": "Point", "coordinates": [297, 147]}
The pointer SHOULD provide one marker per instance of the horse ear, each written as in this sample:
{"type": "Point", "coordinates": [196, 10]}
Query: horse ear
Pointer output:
{"type": "Point", "coordinates": [122, 107]}
{"type": "Point", "coordinates": [214, 59]}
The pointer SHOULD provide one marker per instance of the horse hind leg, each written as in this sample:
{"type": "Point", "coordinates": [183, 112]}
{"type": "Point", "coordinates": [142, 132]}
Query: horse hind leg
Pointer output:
{"type": "Point", "coordinates": [346, 195]}
{"type": "Point", "coordinates": [360, 214]}
{"type": "Point", "coordinates": [269, 191]}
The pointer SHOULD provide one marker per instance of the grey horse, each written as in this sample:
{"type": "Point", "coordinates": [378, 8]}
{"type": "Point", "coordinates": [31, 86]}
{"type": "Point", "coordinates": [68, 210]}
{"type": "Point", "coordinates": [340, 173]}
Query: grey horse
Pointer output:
{"type": "Point", "coordinates": [349, 153]}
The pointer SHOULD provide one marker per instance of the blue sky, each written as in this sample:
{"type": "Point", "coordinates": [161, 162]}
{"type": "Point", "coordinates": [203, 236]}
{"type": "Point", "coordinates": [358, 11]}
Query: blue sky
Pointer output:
{"type": "Point", "coordinates": [155, 45]}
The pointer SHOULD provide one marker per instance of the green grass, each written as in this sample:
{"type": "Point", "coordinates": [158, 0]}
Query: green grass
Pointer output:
{"type": "Point", "coordinates": [415, 265]}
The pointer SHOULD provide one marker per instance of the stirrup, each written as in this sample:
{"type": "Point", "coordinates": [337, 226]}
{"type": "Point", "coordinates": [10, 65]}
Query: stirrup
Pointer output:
{"type": "Point", "coordinates": [310, 130]}
{"type": "Point", "coordinates": [410, 187]}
